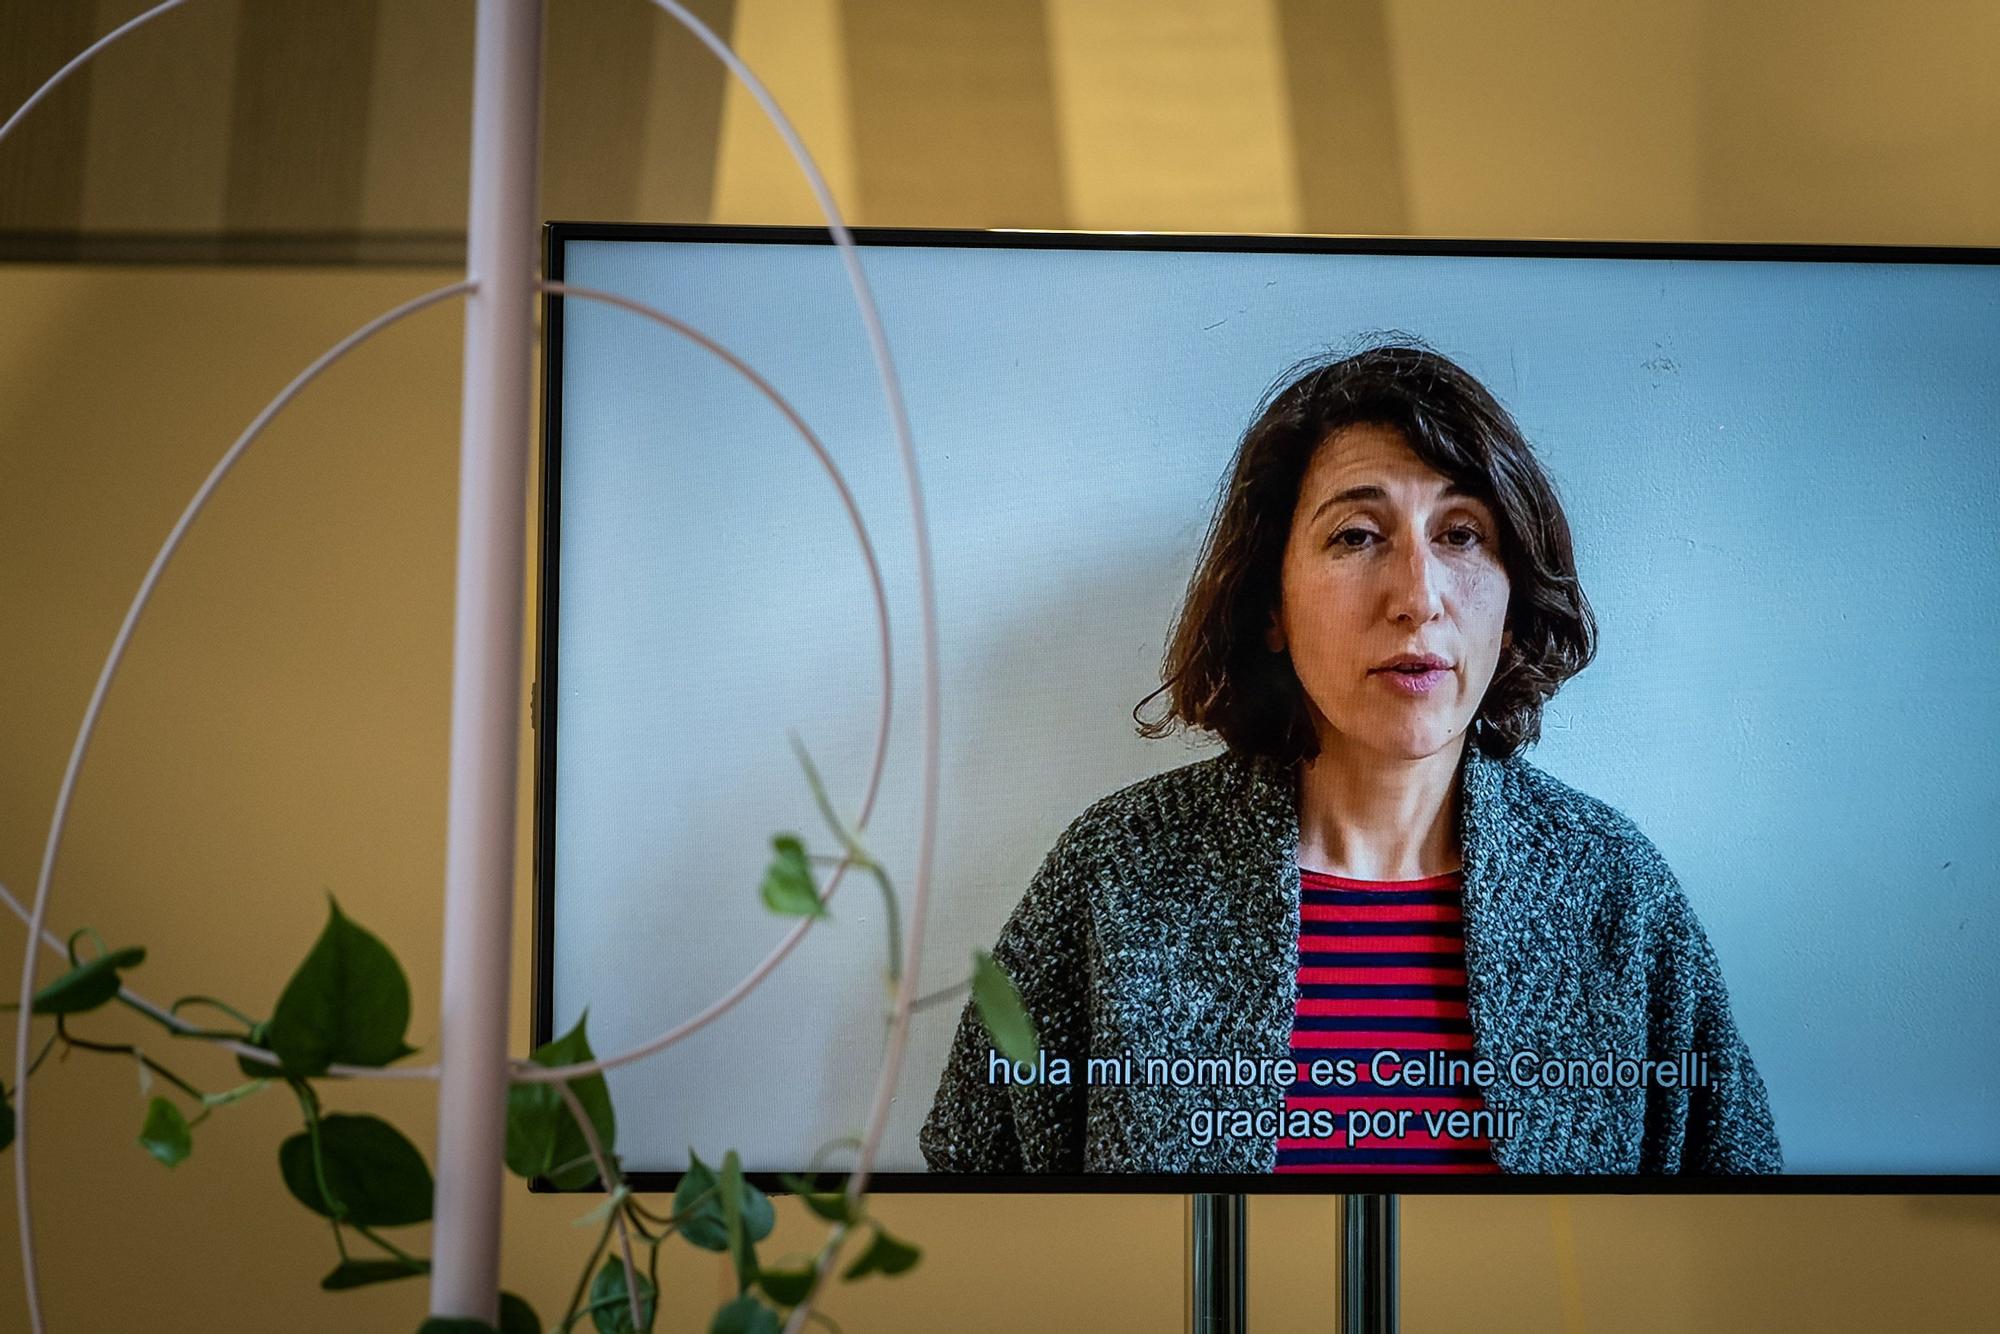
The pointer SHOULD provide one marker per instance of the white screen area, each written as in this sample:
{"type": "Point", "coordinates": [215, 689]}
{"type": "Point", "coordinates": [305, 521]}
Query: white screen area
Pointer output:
{"type": "Point", "coordinates": [1788, 465]}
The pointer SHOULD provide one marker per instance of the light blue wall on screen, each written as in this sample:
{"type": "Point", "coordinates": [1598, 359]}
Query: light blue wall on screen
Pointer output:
{"type": "Point", "coordinates": [1786, 498]}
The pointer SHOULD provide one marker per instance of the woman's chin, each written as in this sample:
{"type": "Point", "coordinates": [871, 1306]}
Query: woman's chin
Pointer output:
{"type": "Point", "coordinates": [1407, 743]}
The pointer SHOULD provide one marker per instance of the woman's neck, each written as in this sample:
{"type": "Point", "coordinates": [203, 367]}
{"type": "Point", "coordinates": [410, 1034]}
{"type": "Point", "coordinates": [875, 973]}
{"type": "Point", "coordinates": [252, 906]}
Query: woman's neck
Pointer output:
{"type": "Point", "coordinates": [1369, 817]}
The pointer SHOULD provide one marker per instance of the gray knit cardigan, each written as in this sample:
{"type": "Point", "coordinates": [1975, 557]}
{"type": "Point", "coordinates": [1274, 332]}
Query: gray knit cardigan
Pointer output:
{"type": "Point", "coordinates": [1164, 923]}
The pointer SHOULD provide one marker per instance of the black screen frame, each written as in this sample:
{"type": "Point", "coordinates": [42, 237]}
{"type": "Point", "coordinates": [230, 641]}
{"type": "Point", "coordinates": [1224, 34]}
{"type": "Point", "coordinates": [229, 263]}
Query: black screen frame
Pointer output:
{"type": "Point", "coordinates": [542, 708]}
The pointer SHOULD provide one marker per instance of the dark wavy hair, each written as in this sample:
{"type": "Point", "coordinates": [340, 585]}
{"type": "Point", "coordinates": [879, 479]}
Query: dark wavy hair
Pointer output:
{"type": "Point", "coordinates": [1221, 676]}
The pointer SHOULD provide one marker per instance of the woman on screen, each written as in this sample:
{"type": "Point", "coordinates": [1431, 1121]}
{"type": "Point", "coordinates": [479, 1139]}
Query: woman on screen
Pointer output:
{"type": "Point", "coordinates": [1369, 935]}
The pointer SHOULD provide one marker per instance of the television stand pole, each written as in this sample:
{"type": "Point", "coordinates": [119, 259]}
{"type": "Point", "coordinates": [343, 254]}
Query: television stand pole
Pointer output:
{"type": "Point", "coordinates": [1368, 1264]}
{"type": "Point", "coordinates": [1217, 1264]}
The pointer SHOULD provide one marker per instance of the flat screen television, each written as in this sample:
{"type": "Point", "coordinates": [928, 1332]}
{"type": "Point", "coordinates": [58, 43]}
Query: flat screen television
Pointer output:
{"type": "Point", "coordinates": [1433, 714]}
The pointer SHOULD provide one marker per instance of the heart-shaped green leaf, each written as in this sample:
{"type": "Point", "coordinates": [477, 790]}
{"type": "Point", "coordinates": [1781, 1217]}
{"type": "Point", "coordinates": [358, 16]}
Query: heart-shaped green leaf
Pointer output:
{"type": "Point", "coordinates": [707, 1225]}
{"type": "Point", "coordinates": [165, 1133]}
{"type": "Point", "coordinates": [348, 1004]}
{"type": "Point", "coordinates": [611, 1303]}
{"type": "Point", "coordinates": [758, 1215]}
{"type": "Point", "coordinates": [745, 1315]}
{"type": "Point", "coordinates": [885, 1255]}
{"type": "Point", "coordinates": [701, 1223]}
{"type": "Point", "coordinates": [788, 888]}
{"type": "Point", "coordinates": [260, 1036]}
{"type": "Point", "coordinates": [1000, 1009]}
{"type": "Point", "coordinates": [377, 1176]}
{"type": "Point", "coordinates": [833, 1207]}
{"type": "Point", "coordinates": [543, 1139]}
{"type": "Point", "coordinates": [517, 1317]}
{"type": "Point", "coordinates": [88, 985]}
{"type": "Point", "coordinates": [731, 1185]}
{"type": "Point", "coordinates": [360, 1273]}
{"type": "Point", "coordinates": [786, 1287]}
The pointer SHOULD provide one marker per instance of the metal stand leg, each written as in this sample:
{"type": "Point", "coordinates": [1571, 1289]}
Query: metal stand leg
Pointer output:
{"type": "Point", "coordinates": [1368, 1264]}
{"type": "Point", "coordinates": [1218, 1264]}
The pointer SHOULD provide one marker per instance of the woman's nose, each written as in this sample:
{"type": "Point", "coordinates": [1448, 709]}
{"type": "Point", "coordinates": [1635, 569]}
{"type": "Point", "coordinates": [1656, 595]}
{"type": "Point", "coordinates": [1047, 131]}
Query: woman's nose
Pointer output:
{"type": "Point", "coordinates": [1416, 585]}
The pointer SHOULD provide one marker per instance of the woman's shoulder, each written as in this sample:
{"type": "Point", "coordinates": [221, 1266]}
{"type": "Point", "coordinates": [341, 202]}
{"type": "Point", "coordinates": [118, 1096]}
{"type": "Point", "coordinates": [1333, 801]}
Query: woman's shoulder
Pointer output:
{"type": "Point", "coordinates": [1203, 799]}
{"type": "Point", "coordinates": [1578, 837]}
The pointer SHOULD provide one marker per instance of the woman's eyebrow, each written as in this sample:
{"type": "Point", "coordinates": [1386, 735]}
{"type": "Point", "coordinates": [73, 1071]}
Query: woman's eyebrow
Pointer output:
{"type": "Point", "coordinates": [1370, 491]}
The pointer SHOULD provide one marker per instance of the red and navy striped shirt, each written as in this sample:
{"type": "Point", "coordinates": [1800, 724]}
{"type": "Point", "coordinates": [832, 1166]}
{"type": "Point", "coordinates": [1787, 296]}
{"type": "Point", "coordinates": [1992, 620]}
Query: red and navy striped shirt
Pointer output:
{"type": "Point", "coordinates": [1381, 967]}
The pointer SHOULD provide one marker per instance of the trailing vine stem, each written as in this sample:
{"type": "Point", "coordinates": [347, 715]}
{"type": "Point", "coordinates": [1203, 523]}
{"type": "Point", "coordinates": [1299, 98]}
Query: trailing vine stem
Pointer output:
{"type": "Point", "coordinates": [127, 1049]}
{"type": "Point", "coordinates": [346, 1009]}
{"type": "Point", "coordinates": [607, 1171]}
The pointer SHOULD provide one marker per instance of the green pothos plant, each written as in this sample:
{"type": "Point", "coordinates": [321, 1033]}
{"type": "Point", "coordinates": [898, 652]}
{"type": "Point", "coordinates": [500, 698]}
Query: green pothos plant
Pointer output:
{"type": "Point", "coordinates": [348, 1003]}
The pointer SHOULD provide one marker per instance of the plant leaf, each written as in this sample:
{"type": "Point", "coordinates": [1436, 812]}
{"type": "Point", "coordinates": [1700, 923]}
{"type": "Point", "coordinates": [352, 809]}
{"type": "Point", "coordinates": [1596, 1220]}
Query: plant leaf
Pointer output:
{"type": "Point", "coordinates": [703, 1227]}
{"type": "Point", "coordinates": [730, 1185]}
{"type": "Point", "coordinates": [88, 985]}
{"type": "Point", "coordinates": [1000, 1009]}
{"type": "Point", "coordinates": [758, 1215]}
{"type": "Point", "coordinates": [833, 1207]}
{"type": "Point", "coordinates": [885, 1255]}
{"type": "Point", "coordinates": [517, 1317]}
{"type": "Point", "coordinates": [745, 1315]}
{"type": "Point", "coordinates": [542, 1135]}
{"type": "Point", "coordinates": [788, 888]}
{"type": "Point", "coordinates": [260, 1036]}
{"type": "Point", "coordinates": [612, 1202]}
{"type": "Point", "coordinates": [379, 1178]}
{"type": "Point", "coordinates": [786, 1287]}
{"type": "Point", "coordinates": [165, 1133]}
{"type": "Point", "coordinates": [707, 1226]}
{"type": "Point", "coordinates": [237, 1094]}
{"type": "Point", "coordinates": [615, 1317]}
{"type": "Point", "coordinates": [360, 1273]}
{"type": "Point", "coordinates": [348, 1003]}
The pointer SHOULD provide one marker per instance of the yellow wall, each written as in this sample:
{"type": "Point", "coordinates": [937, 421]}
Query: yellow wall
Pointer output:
{"type": "Point", "coordinates": [280, 729]}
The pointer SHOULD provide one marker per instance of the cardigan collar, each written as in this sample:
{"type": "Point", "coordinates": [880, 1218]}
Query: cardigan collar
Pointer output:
{"type": "Point", "coordinates": [1272, 790]}
{"type": "Point", "coordinates": [1502, 933]}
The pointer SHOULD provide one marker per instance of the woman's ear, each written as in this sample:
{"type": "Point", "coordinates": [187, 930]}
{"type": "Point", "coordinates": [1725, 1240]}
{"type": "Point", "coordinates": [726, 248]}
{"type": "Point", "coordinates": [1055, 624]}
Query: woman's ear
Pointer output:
{"type": "Point", "coordinates": [1274, 634]}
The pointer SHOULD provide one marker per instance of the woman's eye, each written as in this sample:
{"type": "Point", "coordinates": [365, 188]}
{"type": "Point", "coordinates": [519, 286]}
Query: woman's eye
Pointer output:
{"type": "Point", "coordinates": [1464, 537]}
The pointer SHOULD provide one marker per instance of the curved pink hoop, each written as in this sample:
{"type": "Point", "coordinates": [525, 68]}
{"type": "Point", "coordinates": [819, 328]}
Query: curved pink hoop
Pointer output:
{"type": "Point", "coordinates": [83, 58]}
{"type": "Point", "coordinates": [39, 915]}
{"type": "Point", "coordinates": [878, 347]}
{"type": "Point", "coordinates": [526, 1072]}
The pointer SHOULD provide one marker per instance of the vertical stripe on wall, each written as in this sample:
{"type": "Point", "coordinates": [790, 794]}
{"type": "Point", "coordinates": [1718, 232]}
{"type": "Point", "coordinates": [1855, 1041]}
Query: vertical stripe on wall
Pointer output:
{"type": "Point", "coordinates": [797, 50]}
{"type": "Point", "coordinates": [954, 113]}
{"type": "Point", "coordinates": [41, 163]}
{"type": "Point", "coordinates": [598, 63]}
{"type": "Point", "coordinates": [157, 155]}
{"type": "Point", "coordinates": [299, 121]}
{"type": "Point", "coordinates": [1850, 121]}
{"type": "Point", "coordinates": [1174, 115]}
{"type": "Point", "coordinates": [674, 152]}
{"type": "Point", "coordinates": [1347, 145]}
{"type": "Point", "coordinates": [419, 119]}
{"type": "Point", "coordinates": [1549, 118]}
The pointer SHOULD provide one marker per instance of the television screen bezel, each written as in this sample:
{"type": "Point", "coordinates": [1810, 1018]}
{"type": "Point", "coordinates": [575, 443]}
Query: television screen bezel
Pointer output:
{"type": "Point", "coordinates": [542, 707]}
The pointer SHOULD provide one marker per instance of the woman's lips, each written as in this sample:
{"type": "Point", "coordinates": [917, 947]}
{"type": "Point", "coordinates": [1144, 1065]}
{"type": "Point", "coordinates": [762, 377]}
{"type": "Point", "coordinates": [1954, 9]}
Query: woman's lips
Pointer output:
{"type": "Point", "coordinates": [1412, 683]}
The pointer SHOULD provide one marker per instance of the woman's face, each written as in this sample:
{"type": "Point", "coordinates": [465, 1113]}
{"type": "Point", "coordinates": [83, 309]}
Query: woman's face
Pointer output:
{"type": "Point", "coordinates": [1386, 561]}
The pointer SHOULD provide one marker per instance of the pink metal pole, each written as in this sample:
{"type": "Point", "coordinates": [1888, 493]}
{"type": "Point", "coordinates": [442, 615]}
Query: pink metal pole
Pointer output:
{"type": "Point", "coordinates": [501, 250]}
